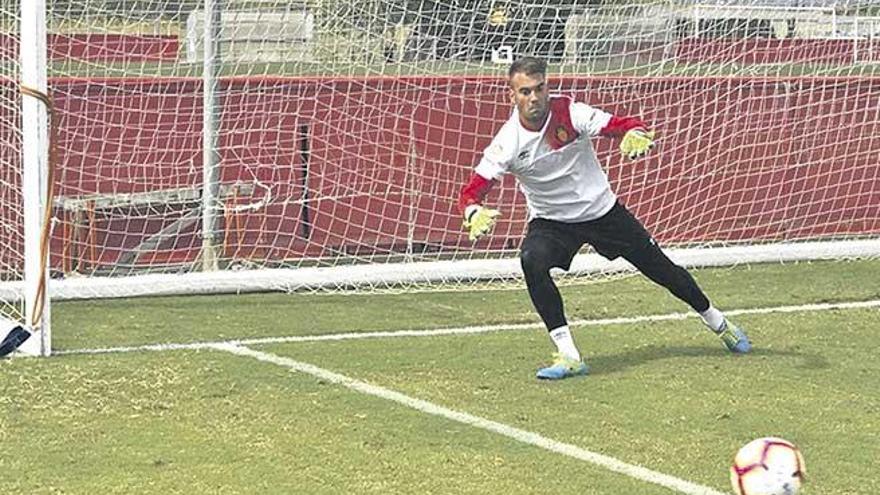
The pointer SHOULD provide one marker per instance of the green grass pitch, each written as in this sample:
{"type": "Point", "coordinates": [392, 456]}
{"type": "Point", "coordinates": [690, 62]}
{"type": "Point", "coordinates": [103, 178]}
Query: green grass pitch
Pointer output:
{"type": "Point", "coordinates": [662, 394]}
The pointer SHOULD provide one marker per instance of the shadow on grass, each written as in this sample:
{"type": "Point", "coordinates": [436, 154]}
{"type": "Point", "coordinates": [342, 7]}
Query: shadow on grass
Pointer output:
{"type": "Point", "coordinates": [614, 363]}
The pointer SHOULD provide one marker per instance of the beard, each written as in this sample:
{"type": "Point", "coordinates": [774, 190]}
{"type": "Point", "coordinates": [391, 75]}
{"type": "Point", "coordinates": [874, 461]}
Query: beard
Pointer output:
{"type": "Point", "coordinates": [535, 116]}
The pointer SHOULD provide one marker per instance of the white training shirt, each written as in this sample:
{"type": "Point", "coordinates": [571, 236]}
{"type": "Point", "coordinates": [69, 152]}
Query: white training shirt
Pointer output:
{"type": "Point", "coordinates": [566, 184]}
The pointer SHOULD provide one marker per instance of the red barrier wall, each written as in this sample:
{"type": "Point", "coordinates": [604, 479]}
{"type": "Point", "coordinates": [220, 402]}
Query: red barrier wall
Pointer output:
{"type": "Point", "coordinates": [737, 159]}
{"type": "Point", "coordinates": [101, 47]}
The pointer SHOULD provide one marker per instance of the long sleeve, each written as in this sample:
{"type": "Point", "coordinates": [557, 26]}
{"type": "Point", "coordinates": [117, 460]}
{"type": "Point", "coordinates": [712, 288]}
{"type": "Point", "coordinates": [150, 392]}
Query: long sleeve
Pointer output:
{"type": "Point", "coordinates": [474, 192]}
{"type": "Point", "coordinates": [595, 122]}
{"type": "Point", "coordinates": [618, 126]}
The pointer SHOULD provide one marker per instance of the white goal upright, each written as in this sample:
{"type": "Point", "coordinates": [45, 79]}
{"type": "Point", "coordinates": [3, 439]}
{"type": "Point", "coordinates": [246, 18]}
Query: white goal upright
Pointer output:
{"type": "Point", "coordinates": [246, 145]}
{"type": "Point", "coordinates": [26, 176]}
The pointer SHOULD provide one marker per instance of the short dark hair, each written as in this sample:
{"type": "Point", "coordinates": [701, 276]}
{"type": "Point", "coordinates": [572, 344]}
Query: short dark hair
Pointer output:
{"type": "Point", "coordinates": [528, 66]}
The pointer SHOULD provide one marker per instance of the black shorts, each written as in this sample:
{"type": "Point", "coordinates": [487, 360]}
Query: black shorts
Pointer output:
{"type": "Point", "coordinates": [615, 234]}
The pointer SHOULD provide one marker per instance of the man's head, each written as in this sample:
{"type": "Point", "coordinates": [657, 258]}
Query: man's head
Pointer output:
{"type": "Point", "coordinates": [528, 90]}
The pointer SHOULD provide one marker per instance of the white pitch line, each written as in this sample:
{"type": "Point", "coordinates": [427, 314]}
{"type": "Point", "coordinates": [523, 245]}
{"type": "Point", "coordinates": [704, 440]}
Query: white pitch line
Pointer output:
{"type": "Point", "coordinates": [528, 437]}
{"type": "Point", "coordinates": [470, 329]}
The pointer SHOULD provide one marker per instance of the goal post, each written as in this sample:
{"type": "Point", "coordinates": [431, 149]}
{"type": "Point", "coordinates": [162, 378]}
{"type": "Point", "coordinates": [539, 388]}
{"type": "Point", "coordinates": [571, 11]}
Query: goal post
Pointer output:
{"type": "Point", "coordinates": [29, 140]}
{"type": "Point", "coordinates": [322, 144]}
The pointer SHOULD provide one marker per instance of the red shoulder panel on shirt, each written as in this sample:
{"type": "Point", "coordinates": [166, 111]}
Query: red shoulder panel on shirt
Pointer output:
{"type": "Point", "coordinates": [560, 130]}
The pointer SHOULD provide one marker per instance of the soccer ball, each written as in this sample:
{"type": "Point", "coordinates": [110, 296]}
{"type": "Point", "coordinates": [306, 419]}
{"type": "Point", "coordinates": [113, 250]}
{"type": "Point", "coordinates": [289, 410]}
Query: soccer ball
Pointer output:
{"type": "Point", "coordinates": [767, 466]}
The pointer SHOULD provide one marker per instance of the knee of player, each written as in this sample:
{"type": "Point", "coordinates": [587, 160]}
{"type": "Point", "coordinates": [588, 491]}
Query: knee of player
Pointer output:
{"type": "Point", "coordinates": [534, 260]}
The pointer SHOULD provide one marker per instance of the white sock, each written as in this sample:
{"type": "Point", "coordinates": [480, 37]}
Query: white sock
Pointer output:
{"type": "Point", "coordinates": [713, 319]}
{"type": "Point", "coordinates": [564, 343]}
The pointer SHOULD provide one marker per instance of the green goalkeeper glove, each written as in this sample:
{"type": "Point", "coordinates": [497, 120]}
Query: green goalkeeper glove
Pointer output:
{"type": "Point", "coordinates": [479, 221]}
{"type": "Point", "coordinates": [636, 143]}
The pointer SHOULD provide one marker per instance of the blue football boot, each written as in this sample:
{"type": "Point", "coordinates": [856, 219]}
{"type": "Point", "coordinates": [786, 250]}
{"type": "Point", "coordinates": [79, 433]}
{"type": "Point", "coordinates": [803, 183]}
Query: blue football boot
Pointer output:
{"type": "Point", "coordinates": [734, 338]}
{"type": "Point", "coordinates": [562, 367]}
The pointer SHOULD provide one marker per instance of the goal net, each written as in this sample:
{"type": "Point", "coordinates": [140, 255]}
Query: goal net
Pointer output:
{"type": "Point", "coordinates": [11, 207]}
{"type": "Point", "coordinates": [238, 145]}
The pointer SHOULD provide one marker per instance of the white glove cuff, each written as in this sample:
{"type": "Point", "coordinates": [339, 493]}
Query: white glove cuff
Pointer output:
{"type": "Point", "coordinates": [470, 210]}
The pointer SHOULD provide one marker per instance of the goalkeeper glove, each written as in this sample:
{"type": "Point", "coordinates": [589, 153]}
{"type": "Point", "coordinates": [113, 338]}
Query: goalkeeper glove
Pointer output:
{"type": "Point", "coordinates": [636, 143]}
{"type": "Point", "coordinates": [479, 221]}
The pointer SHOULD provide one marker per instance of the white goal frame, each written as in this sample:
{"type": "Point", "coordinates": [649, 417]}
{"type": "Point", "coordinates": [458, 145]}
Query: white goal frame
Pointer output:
{"type": "Point", "coordinates": [418, 273]}
{"type": "Point", "coordinates": [35, 173]}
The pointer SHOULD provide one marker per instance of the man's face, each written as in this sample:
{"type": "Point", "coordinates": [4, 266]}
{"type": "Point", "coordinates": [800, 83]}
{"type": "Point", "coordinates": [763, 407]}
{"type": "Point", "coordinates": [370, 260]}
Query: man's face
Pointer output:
{"type": "Point", "coordinates": [532, 98]}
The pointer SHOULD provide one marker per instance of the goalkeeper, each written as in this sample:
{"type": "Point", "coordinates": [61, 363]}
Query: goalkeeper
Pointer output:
{"type": "Point", "coordinates": [546, 145]}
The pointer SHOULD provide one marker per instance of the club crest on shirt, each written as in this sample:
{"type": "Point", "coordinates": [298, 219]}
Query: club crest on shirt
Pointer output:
{"type": "Point", "coordinates": [562, 134]}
